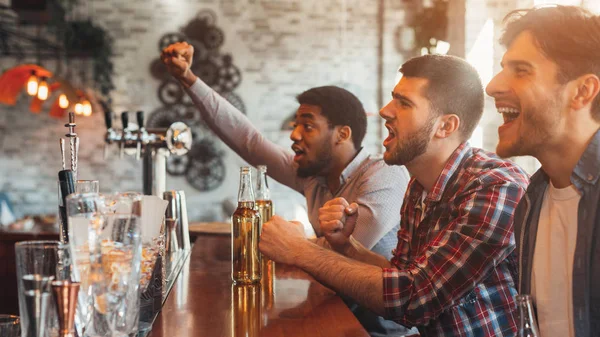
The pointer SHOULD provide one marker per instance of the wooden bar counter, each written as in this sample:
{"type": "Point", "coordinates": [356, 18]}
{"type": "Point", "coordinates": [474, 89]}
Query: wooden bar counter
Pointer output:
{"type": "Point", "coordinates": [204, 302]}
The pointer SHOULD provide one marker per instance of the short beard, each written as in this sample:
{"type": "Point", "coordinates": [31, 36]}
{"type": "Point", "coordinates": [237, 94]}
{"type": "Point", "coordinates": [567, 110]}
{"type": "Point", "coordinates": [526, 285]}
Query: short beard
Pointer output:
{"type": "Point", "coordinates": [322, 162]}
{"type": "Point", "coordinates": [535, 141]}
{"type": "Point", "coordinates": [414, 146]}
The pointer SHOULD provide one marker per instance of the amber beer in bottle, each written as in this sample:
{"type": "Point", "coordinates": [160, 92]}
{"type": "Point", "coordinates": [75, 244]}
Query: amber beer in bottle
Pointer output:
{"type": "Point", "coordinates": [264, 204]}
{"type": "Point", "coordinates": [245, 256]}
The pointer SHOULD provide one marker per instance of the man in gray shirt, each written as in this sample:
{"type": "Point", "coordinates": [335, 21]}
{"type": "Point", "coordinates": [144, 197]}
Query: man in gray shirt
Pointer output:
{"type": "Point", "coordinates": [329, 161]}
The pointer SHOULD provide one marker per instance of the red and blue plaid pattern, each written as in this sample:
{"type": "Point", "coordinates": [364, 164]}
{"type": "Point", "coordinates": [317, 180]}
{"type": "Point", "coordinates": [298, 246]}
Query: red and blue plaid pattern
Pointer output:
{"type": "Point", "coordinates": [455, 267]}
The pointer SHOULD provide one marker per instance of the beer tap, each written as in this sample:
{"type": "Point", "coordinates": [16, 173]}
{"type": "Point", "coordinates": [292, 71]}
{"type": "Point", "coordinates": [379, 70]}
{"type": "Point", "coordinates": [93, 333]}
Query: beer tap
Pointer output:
{"type": "Point", "coordinates": [125, 124]}
{"type": "Point", "coordinates": [110, 132]}
{"type": "Point", "coordinates": [141, 135]}
{"type": "Point", "coordinates": [154, 144]}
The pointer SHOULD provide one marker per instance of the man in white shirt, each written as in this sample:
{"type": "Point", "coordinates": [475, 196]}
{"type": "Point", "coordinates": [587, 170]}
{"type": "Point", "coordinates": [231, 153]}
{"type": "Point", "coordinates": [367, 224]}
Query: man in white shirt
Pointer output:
{"type": "Point", "coordinates": [547, 93]}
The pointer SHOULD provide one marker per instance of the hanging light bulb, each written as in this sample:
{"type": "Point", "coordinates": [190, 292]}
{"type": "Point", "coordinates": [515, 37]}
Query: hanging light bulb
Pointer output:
{"type": "Point", "coordinates": [32, 84]}
{"type": "Point", "coordinates": [87, 108]}
{"type": "Point", "coordinates": [63, 101]}
{"type": "Point", "coordinates": [79, 108]}
{"type": "Point", "coordinates": [42, 92]}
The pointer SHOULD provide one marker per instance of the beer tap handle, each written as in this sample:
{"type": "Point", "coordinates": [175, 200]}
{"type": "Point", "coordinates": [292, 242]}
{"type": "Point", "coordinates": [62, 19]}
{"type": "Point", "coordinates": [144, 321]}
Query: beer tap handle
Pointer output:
{"type": "Point", "coordinates": [125, 123]}
{"type": "Point", "coordinates": [140, 120]}
{"type": "Point", "coordinates": [108, 121]}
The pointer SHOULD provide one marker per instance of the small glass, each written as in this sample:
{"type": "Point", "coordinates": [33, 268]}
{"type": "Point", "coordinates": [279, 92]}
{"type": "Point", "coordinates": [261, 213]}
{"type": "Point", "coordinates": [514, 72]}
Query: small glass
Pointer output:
{"type": "Point", "coordinates": [87, 186]}
{"type": "Point", "coordinates": [10, 326]}
{"type": "Point", "coordinates": [38, 264]}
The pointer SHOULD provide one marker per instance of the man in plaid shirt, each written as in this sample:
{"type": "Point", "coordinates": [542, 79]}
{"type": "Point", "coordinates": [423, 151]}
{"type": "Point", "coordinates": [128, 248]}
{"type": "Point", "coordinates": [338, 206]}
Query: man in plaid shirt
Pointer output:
{"type": "Point", "coordinates": [451, 273]}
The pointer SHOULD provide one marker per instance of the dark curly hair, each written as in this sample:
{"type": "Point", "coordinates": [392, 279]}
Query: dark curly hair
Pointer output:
{"type": "Point", "coordinates": [340, 107]}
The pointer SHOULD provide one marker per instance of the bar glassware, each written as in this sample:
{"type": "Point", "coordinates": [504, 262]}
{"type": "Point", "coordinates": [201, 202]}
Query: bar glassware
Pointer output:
{"type": "Point", "coordinates": [85, 224]}
{"type": "Point", "coordinates": [10, 326]}
{"type": "Point", "coordinates": [116, 285]}
{"type": "Point", "coordinates": [87, 186]}
{"type": "Point", "coordinates": [38, 264]}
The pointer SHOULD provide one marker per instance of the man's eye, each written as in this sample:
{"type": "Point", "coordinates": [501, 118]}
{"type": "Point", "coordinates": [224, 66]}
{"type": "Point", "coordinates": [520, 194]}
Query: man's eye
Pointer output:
{"type": "Point", "coordinates": [521, 71]}
{"type": "Point", "coordinates": [308, 127]}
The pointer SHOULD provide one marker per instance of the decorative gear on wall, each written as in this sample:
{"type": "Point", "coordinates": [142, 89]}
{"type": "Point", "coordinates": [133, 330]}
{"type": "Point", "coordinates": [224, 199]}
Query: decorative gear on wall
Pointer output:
{"type": "Point", "coordinates": [170, 92]}
{"type": "Point", "coordinates": [206, 170]}
{"type": "Point", "coordinates": [203, 165]}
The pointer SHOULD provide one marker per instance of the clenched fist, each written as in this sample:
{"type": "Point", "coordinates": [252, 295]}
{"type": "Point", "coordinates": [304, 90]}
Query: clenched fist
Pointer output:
{"type": "Point", "coordinates": [282, 240]}
{"type": "Point", "coordinates": [337, 219]}
{"type": "Point", "coordinates": [178, 60]}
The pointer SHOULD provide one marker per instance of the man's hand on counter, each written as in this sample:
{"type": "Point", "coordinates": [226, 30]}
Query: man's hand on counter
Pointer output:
{"type": "Point", "coordinates": [282, 241]}
{"type": "Point", "coordinates": [177, 57]}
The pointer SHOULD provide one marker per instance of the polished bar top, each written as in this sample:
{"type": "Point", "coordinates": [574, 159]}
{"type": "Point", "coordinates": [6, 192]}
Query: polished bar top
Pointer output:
{"type": "Point", "coordinates": [204, 302]}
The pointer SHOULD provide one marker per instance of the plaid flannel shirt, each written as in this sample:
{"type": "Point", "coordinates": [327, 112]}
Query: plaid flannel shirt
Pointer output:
{"type": "Point", "coordinates": [455, 263]}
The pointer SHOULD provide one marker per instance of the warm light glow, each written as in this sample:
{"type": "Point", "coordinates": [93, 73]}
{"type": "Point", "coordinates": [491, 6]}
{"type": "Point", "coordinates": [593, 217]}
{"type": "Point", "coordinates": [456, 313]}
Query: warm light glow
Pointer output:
{"type": "Point", "coordinates": [442, 47]}
{"type": "Point", "coordinates": [87, 108]}
{"type": "Point", "coordinates": [32, 84]}
{"type": "Point", "coordinates": [63, 101]}
{"type": "Point", "coordinates": [42, 92]}
{"type": "Point", "coordinates": [79, 108]}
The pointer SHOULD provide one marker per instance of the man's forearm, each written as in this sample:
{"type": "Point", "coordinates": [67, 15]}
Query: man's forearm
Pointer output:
{"type": "Point", "coordinates": [360, 281]}
{"type": "Point", "coordinates": [357, 251]}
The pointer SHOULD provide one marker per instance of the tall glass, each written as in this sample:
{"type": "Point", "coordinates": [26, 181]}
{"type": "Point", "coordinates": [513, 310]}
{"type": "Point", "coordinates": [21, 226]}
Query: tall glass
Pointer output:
{"type": "Point", "coordinates": [116, 285]}
{"type": "Point", "coordinates": [87, 186]}
{"type": "Point", "coordinates": [10, 326]}
{"type": "Point", "coordinates": [84, 212]}
{"type": "Point", "coordinates": [38, 264]}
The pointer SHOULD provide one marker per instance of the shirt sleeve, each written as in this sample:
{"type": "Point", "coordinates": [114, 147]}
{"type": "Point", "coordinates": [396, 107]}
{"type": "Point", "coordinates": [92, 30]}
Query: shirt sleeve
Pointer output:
{"type": "Point", "coordinates": [379, 201]}
{"type": "Point", "coordinates": [461, 255]}
{"type": "Point", "coordinates": [236, 130]}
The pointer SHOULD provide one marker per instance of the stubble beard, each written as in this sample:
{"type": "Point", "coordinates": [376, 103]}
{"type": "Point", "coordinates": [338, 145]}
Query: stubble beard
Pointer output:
{"type": "Point", "coordinates": [415, 145]}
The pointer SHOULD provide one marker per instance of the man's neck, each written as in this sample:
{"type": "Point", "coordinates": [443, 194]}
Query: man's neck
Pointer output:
{"type": "Point", "coordinates": [559, 159]}
{"type": "Point", "coordinates": [340, 162]}
{"type": "Point", "coordinates": [426, 169]}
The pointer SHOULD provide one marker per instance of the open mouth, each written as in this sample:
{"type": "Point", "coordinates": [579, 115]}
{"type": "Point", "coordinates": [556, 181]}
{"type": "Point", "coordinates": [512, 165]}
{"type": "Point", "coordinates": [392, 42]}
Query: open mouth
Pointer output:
{"type": "Point", "coordinates": [390, 137]}
{"type": "Point", "coordinates": [509, 114]}
{"type": "Point", "coordinates": [298, 151]}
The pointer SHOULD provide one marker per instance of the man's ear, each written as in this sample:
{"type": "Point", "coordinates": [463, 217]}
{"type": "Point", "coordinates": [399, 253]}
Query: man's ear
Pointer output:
{"type": "Point", "coordinates": [343, 133]}
{"type": "Point", "coordinates": [586, 89]}
{"type": "Point", "coordinates": [447, 125]}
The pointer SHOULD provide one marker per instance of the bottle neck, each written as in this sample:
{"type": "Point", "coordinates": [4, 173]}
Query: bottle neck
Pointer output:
{"type": "Point", "coordinates": [262, 188]}
{"type": "Point", "coordinates": [245, 194]}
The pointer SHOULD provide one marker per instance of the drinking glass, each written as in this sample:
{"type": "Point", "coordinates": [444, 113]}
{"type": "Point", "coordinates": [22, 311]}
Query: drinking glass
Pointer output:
{"type": "Point", "coordinates": [84, 212]}
{"type": "Point", "coordinates": [116, 290]}
{"type": "Point", "coordinates": [10, 326]}
{"type": "Point", "coordinates": [38, 264]}
{"type": "Point", "coordinates": [87, 186]}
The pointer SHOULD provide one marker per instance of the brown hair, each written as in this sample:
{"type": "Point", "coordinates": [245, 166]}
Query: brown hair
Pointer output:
{"type": "Point", "coordinates": [567, 35]}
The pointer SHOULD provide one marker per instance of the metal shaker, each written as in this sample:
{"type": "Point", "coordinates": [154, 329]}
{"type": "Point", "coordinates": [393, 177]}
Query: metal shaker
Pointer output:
{"type": "Point", "coordinates": [171, 223]}
{"type": "Point", "coordinates": [183, 222]}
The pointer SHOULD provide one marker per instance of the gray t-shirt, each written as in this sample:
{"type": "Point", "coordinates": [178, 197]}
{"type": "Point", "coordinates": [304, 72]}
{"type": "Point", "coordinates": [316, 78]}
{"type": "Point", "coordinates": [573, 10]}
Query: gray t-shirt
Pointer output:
{"type": "Point", "coordinates": [377, 188]}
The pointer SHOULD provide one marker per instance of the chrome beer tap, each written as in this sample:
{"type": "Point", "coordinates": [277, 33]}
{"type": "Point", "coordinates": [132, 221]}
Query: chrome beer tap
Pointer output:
{"type": "Point", "coordinates": [154, 145]}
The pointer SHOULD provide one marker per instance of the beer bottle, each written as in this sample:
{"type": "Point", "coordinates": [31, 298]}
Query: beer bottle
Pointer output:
{"type": "Point", "coordinates": [245, 256]}
{"type": "Point", "coordinates": [527, 324]}
{"type": "Point", "coordinates": [265, 209]}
